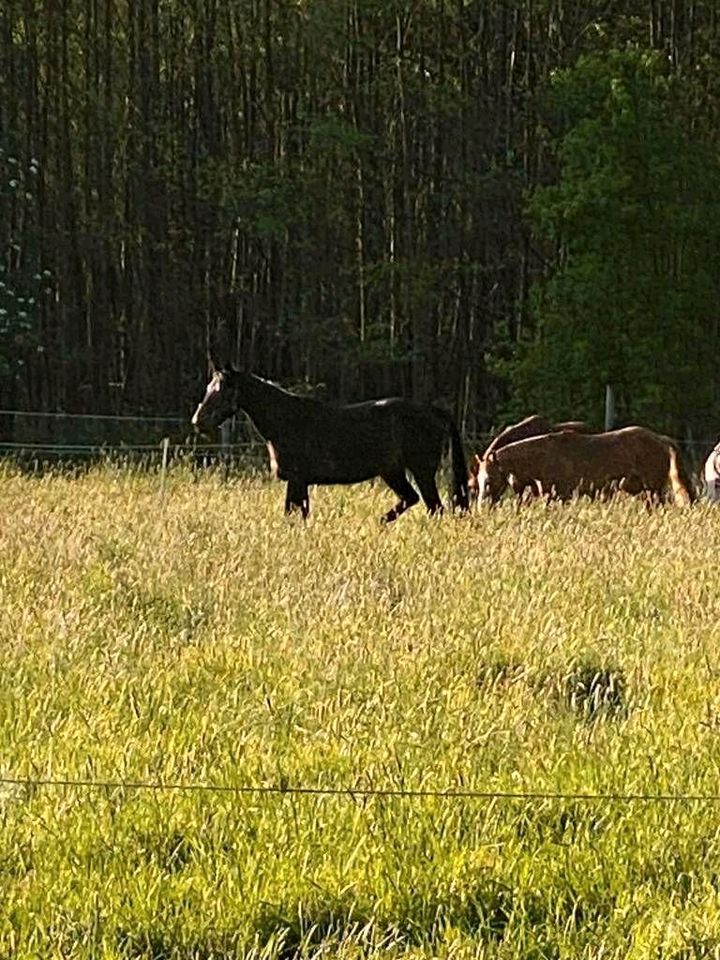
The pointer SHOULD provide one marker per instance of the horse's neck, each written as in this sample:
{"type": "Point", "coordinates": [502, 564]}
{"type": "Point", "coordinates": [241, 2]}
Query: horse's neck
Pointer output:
{"type": "Point", "coordinates": [265, 404]}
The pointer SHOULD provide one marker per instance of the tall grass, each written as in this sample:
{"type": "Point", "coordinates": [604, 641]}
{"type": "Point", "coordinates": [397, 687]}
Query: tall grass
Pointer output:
{"type": "Point", "coordinates": [204, 638]}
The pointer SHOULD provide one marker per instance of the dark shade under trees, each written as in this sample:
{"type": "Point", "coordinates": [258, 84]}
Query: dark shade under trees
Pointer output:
{"type": "Point", "coordinates": [379, 196]}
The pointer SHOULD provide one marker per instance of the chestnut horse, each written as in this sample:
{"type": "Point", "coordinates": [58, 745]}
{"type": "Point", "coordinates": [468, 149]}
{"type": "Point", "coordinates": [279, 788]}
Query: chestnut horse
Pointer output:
{"type": "Point", "coordinates": [310, 442]}
{"type": "Point", "coordinates": [632, 459]}
{"type": "Point", "coordinates": [533, 426]}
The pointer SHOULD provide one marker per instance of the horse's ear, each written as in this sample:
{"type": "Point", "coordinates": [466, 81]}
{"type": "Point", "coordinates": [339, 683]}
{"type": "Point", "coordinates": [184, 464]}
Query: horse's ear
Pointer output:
{"type": "Point", "coordinates": [218, 364]}
{"type": "Point", "coordinates": [490, 458]}
{"type": "Point", "coordinates": [240, 366]}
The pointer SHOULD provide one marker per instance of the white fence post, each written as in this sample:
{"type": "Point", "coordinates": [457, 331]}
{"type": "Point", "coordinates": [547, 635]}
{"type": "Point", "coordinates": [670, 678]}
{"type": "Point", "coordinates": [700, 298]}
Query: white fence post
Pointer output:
{"type": "Point", "coordinates": [609, 407]}
{"type": "Point", "coordinates": [163, 468]}
{"type": "Point", "coordinates": [226, 433]}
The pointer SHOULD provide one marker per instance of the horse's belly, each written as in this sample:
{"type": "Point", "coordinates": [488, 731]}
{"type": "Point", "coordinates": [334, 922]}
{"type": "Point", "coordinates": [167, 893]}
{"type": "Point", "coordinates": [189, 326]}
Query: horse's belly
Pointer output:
{"type": "Point", "coordinates": [342, 473]}
{"type": "Point", "coordinates": [324, 466]}
{"type": "Point", "coordinates": [346, 466]}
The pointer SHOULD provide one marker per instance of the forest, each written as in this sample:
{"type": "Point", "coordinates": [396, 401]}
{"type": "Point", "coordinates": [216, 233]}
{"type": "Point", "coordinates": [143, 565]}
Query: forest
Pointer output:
{"type": "Point", "coordinates": [497, 205]}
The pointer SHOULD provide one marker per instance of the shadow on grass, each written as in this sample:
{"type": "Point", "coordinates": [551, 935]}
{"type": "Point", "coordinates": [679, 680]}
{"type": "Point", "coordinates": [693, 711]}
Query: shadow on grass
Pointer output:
{"type": "Point", "coordinates": [159, 944]}
{"type": "Point", "coordinates": [487, 914]}
{"type": "Point", "coordinates": [500, 672]}
{"type": "Point", "coordinates": [593, 691]}
{"type": "Point", "coordinates": [590, 689]}
{"type": "Point", "coordinates": [171, 852]}
{"type": "Point", "coordinates": [571, 823]}
{"type": "Point", "coordinates": [490, 913]}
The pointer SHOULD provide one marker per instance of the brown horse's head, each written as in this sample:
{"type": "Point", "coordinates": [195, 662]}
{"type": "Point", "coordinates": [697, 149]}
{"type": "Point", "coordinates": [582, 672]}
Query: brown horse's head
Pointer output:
{"type": "Point", "coordinates": [491, 479]}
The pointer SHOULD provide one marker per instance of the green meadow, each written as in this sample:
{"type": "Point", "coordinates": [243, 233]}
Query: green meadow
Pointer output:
{"type": "Point", "coordinates": [194, 635]}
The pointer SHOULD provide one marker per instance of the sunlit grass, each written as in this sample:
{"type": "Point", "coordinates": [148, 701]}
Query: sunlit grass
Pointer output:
{"type": "Point", "coordinates": [199, 636]}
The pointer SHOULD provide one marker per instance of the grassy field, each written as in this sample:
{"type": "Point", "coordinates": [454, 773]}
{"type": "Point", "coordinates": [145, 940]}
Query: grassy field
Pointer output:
{"type": "Point", "coordinates": [203, 638]}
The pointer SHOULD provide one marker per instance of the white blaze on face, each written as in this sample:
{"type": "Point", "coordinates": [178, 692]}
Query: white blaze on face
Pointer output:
{"type": "Point", "coordinates": [213, 388]}
{"type": "Point", "coordinates": [481, 482]}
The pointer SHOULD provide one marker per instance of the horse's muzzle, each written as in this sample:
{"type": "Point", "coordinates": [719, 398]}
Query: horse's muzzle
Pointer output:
{"type": "Point", "coordinates": [195, 422]}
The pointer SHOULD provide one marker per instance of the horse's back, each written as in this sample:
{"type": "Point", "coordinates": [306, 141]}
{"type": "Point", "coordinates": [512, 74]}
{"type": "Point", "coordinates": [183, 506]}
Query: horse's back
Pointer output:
{"type": "Point", "coordinates": [531, 426]}
{"type": "Point", "coordinates": [574, 426]}
{"type": "Point", "coordinates": [526, 429]}
{"type": "Point", "coordinates": [354, 442]}
{"type": "Point", "coordinates": [569, 460]}
{"type": "Point", "coordinates": [623, 446]}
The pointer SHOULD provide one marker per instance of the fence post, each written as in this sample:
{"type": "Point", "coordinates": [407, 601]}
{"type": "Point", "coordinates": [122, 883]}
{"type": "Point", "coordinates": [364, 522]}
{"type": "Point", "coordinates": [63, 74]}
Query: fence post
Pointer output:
{"type": "Point", "coordinates": [226, 434]}
{"type": "Point", "coordinates": [609, 407]}
{"type": "Point", "coordinates": [226, 438]}
{"type": "Point", "coordinates": [163, 467]}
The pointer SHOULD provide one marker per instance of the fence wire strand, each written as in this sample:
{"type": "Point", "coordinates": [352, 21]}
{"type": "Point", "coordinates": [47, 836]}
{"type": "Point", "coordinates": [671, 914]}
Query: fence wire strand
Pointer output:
{"type": "Point", "coordinates": [60, 415]}
{"type": "Point", "coordinates": [126, 447]}
{"type": "Point", "coordinates": [355, 792]}
{"type": "Point", "coordinates": [476, 440]}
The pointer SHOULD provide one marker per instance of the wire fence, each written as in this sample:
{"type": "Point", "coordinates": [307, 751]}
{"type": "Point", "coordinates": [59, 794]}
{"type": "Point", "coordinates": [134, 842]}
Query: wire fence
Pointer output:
{"type": "Point", "coordinates": [37, 441]}
{"type": "Point", "coordinates": [59, 415]}
{"type": "Point", "coordinates": [357, 792]}
{"type": "Point", "coordinates": [476, 439]}
{"type": "Point", "coordinates": [128, 447]}
{"type": "Point", "coordinates": [61, 436]}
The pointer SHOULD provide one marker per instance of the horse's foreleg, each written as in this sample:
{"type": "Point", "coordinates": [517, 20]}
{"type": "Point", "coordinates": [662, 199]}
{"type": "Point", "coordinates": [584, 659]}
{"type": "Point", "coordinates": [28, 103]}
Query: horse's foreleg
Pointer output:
{"type": "Point", "coordinates": [654, 499]}
{"type": "Point", "coordinates": [400, 485]}
{"type": "Point", "coordinates": [297, 498]}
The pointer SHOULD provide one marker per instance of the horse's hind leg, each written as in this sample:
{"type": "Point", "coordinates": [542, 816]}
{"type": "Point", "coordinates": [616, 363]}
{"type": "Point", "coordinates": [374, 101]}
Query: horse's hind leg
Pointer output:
{"type": "Point", "coordinates": [297, 498]}
{"type": "Point", "coordinates": [400, 485]}
{"type": "Point", "coordinates": [429, 492]}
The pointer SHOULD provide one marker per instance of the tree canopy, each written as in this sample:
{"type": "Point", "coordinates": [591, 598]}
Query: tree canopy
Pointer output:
{"type": "Point", "coordinates": [500, 206]}
{"type": "Point", "coordinates": [631, 292]}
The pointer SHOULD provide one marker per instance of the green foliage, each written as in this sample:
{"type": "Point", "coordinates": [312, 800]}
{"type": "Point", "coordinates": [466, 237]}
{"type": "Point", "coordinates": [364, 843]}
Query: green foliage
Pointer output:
{"type": "Point", "coordinates": [267, 201]}
{"type": "Point", "coordinates": [332, 136]}
{"type": "Point", "coordinates": [633, 293]}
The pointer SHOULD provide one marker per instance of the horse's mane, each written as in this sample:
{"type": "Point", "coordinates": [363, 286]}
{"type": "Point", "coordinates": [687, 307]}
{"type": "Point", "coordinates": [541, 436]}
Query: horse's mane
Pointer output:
{"type": "Point", "coordinates": [272, 383]}
{"type": "Point", "coordinates": [296, 398]}
{"type": "Point", "coordinates": [264, 380]}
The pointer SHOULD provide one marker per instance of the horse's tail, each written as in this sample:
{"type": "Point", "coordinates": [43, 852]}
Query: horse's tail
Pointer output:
{"type": "Point", "coordinates": [473, 483]}
{"type": "Point", "coordinates": [682, 486]}
{"type": "Point", "coordinates": [460, 498]}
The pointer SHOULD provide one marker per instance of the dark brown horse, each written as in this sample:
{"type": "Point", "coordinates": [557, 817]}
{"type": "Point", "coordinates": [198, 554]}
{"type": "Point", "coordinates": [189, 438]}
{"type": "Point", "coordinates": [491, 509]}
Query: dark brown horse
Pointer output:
{"type": "Point", "coordinates": [310, 442]}
{"type": "Point", "coordinates": [634, 460]}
